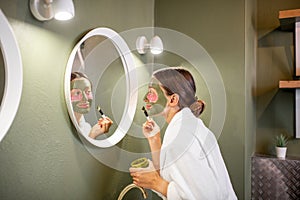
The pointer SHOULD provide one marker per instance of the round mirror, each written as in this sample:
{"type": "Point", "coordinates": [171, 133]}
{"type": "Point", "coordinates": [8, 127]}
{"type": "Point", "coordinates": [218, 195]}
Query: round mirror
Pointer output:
{"type": "Point", "coordinates": [95, 87]}
{"type": "Point", "coordinates": [2, 76]}
{"type": "Point", "coordinates": [11, 76]}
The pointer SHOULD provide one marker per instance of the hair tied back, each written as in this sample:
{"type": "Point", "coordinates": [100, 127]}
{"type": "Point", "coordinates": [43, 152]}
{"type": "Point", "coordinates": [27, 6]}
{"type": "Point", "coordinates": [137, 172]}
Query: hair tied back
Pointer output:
{"type": "Point", "coordinates": [197, 107]}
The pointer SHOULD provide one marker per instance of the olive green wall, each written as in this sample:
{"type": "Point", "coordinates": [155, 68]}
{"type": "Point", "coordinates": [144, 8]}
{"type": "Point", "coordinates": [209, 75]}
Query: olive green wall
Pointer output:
{"type": "Point", "coordinates": [250, 83]}
{"type": "Point", "coordinates": [275, 61]}
{"type": "Point", "coordinates": [227, 31]}
{"type": "Point", "coordinates": [41, 156]}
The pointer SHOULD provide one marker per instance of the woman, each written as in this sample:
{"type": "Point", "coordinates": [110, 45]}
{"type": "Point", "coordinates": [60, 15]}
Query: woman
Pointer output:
{"type": "Point", "coordinates": [188, 163]}
{"type": "Point", "coordinates": [81, 98]}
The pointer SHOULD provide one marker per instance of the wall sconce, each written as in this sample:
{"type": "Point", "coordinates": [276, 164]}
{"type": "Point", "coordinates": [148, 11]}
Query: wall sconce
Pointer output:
{"type": "Point", "coordinates": [45, 10]}
{"type": "Point", "coordinates": [155, 45]}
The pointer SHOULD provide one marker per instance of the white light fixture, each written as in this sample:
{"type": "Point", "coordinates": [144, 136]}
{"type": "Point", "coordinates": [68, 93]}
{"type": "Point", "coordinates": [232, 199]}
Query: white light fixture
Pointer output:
{"type": "Point", "coordinates": [45, 10]}
{"type": "Point", "coordinates": [155, 45]}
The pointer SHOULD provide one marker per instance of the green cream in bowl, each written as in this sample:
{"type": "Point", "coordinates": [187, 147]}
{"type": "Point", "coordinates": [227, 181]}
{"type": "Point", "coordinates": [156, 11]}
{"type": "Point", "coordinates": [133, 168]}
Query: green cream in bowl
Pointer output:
{"type": "Point", "coordinates": [140, 163]}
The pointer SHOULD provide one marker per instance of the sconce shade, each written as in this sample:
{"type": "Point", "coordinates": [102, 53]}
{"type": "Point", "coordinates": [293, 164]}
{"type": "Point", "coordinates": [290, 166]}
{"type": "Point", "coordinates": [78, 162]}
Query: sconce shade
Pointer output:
{"type": "Point", "coordinates": [156, 45]}
{"type": "Point", "coordinates": [42, 9]}
{"type": "Point", "coordinates": [64, 9]}
{"type": "Point", "coordinates": [45, 10]}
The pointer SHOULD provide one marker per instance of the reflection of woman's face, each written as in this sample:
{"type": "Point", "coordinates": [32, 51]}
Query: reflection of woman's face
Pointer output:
{"type": "Point", "coordinates": [81, 95]}
{"type": "Point", "coordinates": [155, 99]}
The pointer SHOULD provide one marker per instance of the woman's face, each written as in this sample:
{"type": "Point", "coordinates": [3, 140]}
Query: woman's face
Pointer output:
{"type": "Point", "coordinates": [81, 95]}
{"type": "Point", "coordinates": [155, 99]}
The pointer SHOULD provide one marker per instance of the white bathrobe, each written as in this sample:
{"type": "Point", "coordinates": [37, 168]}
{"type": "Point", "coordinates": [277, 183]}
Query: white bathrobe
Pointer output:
{"type": "Point", "coordinates": [192, 162]}
{"type": "Point", "coordinates": [84, 126]}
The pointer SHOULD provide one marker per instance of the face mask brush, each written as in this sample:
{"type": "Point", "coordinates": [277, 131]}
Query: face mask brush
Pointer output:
{"type": "Point", "coordinates": [100, 111]}
{"type": "Point", "coordinates": [145, 112]}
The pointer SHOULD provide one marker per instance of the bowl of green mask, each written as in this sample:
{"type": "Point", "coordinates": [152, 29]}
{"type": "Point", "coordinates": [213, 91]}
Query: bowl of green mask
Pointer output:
{"type": "Point", "coordinates": [140, 163]}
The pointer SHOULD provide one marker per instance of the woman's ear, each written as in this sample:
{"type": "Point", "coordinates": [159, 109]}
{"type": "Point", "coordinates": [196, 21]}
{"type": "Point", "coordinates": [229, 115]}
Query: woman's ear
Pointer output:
{"type": "Point", "coordinates": [174, 100]}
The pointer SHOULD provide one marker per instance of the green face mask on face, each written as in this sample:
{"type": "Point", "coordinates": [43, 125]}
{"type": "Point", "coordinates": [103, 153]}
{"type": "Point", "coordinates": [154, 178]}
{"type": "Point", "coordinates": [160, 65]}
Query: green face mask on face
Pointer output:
{"type": "Point", "coordinates": [81, 95]}
{"type": "Point", "coordinates": [155, 99]}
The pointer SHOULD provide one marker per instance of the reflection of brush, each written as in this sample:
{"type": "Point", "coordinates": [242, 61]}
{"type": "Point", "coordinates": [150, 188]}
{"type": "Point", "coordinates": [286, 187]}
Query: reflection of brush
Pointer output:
{"type": "Point", "coordinates": [145, 112]}
{"type": "Point", "coordinates": [100, 111]}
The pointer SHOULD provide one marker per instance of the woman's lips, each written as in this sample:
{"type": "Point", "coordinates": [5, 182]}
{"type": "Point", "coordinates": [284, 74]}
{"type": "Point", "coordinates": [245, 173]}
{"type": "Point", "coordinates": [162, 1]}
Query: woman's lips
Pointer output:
{"type": "Point", "coordinates": [84, 105]}
{"type": "Point", "coordinates": [148, 106]}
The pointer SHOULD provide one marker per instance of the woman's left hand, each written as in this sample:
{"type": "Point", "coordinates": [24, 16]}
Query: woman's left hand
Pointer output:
{"type": "Point", "coordinates": [149, 178]}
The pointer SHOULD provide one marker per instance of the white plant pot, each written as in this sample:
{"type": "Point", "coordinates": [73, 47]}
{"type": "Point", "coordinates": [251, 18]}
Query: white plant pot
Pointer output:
{"type": "Point", "coordinates": [281, 152]}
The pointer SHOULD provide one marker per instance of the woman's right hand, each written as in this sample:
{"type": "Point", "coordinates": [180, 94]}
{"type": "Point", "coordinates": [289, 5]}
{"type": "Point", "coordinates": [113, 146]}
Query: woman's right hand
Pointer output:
{"type": "Point", "coordinates": [150, 128]}
{"type": "Point", "coordinates": [104, 124]}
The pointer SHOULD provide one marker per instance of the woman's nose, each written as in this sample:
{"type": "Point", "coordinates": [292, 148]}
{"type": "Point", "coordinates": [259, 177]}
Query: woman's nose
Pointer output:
{"type": "Point", "coordinates": [84, 97]}
{"type": "Point", "coordinates": [146, 99]}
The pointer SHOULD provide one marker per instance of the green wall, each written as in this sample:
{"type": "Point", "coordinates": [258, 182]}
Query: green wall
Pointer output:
{"type": "Point", "coordinates": [41, 156]}
{"type": "Point", "coordinates": [220, 28]}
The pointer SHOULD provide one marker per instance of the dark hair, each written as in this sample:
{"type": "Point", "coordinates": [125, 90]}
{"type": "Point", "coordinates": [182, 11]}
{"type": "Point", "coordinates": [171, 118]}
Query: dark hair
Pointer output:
{"type": "Point", "coordinates": [78, 75]}
{"type": "Point", "coordinates": [75, 75]}
{"type": "Point", "coordinates": [180, 81]}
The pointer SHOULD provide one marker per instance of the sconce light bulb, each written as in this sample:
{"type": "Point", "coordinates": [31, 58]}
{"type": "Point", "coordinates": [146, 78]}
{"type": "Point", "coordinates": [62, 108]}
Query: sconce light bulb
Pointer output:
{"type": "Point", "coordinates": [63, 16]}
{"type": "Point", "coordinates": [64, 10]}
{"type": "Point", "coordinates": [156, 51]}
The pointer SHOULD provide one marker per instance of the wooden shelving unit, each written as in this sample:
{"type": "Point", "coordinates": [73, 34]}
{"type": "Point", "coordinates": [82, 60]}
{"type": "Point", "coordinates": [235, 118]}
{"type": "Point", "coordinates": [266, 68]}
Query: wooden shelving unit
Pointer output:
{"type": "Point", "coordinates": [290, 21]}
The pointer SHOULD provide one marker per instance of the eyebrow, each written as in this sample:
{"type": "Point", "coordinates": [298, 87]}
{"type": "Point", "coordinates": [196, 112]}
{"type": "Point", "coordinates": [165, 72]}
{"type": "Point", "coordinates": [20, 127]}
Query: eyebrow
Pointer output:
{"type": "Point", "coordinates": [81, 89]}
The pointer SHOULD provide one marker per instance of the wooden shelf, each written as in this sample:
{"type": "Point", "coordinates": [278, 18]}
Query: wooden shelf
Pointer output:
{"type": "Point", "coordinates": [288, 18]}
{"type": "Point", "coordinates": [289, 13]}
{"type": "Point", "coordinates": [289, 84]}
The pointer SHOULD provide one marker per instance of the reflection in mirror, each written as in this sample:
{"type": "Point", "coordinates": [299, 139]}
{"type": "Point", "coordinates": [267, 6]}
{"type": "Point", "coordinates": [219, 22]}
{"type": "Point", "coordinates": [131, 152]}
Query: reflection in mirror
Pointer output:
{"type": "Point", "coordinates": [82, 98]}
{"type": "Point", "coordinates": [11, 76]}
{"type": "Point", "coordinates": [95, 69]}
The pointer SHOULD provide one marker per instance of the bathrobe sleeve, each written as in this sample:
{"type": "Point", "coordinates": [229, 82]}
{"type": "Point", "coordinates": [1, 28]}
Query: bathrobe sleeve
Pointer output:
{"type": "Point", "coordinates": [191, 177]}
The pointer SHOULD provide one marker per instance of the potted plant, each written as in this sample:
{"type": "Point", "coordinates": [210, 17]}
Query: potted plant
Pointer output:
{"type": "Point", "coordinates": [281, 145]}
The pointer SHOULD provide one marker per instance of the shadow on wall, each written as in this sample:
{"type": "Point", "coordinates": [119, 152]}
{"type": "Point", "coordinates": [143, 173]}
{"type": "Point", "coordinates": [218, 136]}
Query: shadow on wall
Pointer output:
{"type": "Point", "coordinates": [284, 39]}
{"type": "Point", "coordinates": [275, 107]}
{"type": "Point", "coordinates": [276, 118]}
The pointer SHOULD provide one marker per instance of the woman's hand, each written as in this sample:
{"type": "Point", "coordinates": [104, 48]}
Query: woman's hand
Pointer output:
{"type": "Point", "coordinates": [100, 128]}
{"type": "Point", "coordinates": [104, 124]}
{"type": "Point", "coordinates": [152, 132]}
{"type": "Point", "coordinates": [150, 128]}
{"type": "Point", "coordinates": [149, 178]}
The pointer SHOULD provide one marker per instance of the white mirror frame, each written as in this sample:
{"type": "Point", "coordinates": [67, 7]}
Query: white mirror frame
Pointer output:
{"type": "Point", "coordinates": [131, 86]}
{"type": "Point", "coordinates": [13, 76]}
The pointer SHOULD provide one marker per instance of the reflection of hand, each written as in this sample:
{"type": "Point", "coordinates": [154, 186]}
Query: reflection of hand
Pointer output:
{"type": "Point", "coordinates": [149, 178]}
{"type": "Point", "coordinates": [150, 128]}
{"type": "Point", "coordinates": [105, 123]}
{"type": "Point", "coordinates": [100, 128]}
